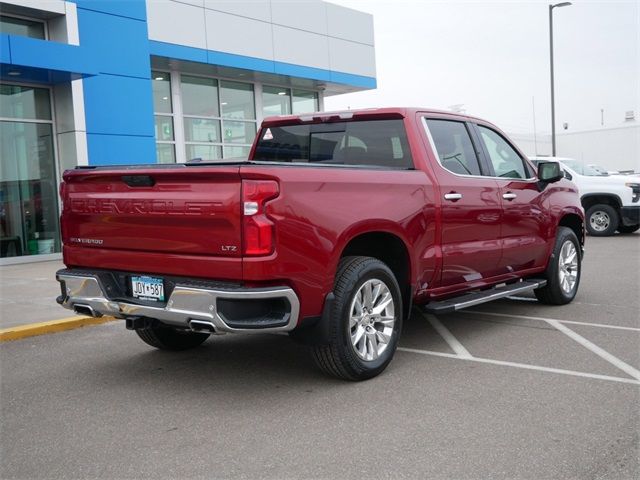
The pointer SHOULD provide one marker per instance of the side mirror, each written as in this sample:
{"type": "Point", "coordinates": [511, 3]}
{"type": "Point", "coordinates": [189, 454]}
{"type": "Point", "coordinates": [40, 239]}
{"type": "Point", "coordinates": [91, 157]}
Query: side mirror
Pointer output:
{"type": "Point", "coordinates": [549, 172]}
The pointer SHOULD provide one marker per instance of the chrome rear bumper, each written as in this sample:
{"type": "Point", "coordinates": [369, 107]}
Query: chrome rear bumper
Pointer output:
{"type": "Point", "coordinates": [186, 307]}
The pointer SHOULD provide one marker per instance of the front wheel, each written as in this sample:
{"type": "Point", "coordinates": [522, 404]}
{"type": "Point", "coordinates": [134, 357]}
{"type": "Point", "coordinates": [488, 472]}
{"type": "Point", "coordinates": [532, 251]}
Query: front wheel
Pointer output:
{"type": "Point", "coordinates": [364, 322]}
{"type": "Point", "coordinates": [167, 338]}
{"type": "Point", "coordinates": [563, 272]}
{"type": "Point", "coordinates": [602, 220]}
{"type": "Point", "coordinates": [628, 228]}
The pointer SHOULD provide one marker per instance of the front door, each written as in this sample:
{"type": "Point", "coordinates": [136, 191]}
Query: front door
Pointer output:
{"type": "Point", "coordinates": [525, 222]}
{"type": "Point", "coordinates": [471, 210]}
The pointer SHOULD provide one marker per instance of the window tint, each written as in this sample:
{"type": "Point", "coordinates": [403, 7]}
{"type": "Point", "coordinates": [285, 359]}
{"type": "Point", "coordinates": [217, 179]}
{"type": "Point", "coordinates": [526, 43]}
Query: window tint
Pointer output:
{"type": "Point", "coordinates": [454, 147]}
{"type": "Point", "coordinates": [505, 160]}
{"type": "Point", "coordinates": [381, 143]}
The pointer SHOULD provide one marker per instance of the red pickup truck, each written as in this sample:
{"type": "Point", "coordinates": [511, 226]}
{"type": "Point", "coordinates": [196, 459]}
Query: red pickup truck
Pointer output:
{"type": "Point", "coordinates": [331, 230]}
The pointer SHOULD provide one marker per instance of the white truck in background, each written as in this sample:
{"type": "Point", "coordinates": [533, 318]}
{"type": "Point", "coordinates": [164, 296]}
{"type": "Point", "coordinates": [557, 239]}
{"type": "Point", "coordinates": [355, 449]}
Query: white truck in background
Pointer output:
{"type": "Point", "coordinates": [611, 202]}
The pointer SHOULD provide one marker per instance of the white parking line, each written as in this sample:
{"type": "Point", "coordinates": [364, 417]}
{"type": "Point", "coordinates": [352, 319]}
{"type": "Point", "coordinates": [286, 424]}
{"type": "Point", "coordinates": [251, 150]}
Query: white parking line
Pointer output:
{"type": "Point", "coordinates": [542, 319]}
{"type": "Point", "coordinates": [615, 361]}
{"type": "Point", "coordinates": [521, 365]}
{"type": "Point", "coordinates": [448, 337]}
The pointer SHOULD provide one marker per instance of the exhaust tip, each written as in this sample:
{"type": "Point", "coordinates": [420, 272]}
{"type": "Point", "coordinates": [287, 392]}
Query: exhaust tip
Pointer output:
{"type": "Point", "coordinates": [85, 310]}
{"type": "Point", "coordinates": [201, 326]}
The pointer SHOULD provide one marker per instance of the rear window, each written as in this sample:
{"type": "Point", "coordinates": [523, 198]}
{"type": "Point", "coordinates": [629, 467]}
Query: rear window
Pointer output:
{"type": "Point", "coordinates": [371, 143]}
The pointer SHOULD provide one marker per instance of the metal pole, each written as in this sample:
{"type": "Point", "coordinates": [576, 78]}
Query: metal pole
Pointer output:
{"type": "Point", "coordinates": [553, 107]}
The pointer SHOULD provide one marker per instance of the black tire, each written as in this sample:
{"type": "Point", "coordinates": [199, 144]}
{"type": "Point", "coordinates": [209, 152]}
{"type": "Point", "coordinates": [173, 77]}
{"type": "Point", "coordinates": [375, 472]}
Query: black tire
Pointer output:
{"type": "Point", "coordinates": [338, 358]}
{"type": "Point", "coordinates": [553, 293]}
{"type": "Point", "coordinates": [167, 338]}
{"type": "Point", "coordinates": [602, 212]}
{"type": "Point", "coordinates": [628, 228]}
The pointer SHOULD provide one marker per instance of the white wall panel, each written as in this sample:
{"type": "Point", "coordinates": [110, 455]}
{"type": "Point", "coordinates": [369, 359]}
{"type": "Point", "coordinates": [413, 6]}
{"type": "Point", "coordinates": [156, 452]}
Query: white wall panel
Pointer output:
{"type": "Point", "coordinates": [350, 57]}
{"type": "Point", "coordinates": [197, 3]}
{"type": "Point", "coordinates": [309, 15]}
{"type": "Point", "coordinates": [239, 35]}
{"type": "Point", "coordinates": [176, 22]}
{"type": "Point", "coordinates": [349, 24]}
{"type": "Point", "coordinates": [257, 9]}
{"type": "Point", "coordinates": [300, 48]}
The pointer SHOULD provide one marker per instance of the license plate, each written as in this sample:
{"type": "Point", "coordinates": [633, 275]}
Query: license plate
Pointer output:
{"type": "Point", "coordinates": [147, 288]}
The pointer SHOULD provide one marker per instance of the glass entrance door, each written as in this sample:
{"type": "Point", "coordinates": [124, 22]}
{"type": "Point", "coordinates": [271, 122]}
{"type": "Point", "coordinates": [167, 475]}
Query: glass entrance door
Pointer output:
{"type": "Point", "coordinates": [28, 182]}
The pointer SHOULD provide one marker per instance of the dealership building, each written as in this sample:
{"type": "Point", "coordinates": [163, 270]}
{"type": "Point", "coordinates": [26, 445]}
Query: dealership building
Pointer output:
{"type": "Point", "coordinates": [108, 82]}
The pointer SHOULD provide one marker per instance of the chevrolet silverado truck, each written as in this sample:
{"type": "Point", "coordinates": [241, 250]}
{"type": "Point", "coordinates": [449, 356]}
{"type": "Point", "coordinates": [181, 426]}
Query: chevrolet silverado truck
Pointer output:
{"type": "Point", "coordinates": [331, 230]}
{"type": "Point", "coordinates": [611, 201]}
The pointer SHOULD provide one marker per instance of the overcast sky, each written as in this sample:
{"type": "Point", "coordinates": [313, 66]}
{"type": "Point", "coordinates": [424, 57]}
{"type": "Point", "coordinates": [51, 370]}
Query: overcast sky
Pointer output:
{"type": "Point", "coordinates": [493, 57]}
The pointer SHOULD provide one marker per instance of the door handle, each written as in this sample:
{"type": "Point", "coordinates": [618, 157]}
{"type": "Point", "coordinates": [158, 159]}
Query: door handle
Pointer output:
{"type": "Point", "coordinates": [453, 196]}
{"type": "Point", "coordinates": [509, 196]}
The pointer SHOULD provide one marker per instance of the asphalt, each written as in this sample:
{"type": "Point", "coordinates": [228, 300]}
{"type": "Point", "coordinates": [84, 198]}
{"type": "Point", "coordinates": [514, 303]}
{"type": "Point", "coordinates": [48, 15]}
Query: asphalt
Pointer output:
{"type": "Point", "coordinates": [532, 402]}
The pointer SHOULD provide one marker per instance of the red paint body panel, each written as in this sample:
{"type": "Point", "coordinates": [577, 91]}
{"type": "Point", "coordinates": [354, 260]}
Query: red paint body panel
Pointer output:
{"type": "Point", "coordinates": [188, 222]}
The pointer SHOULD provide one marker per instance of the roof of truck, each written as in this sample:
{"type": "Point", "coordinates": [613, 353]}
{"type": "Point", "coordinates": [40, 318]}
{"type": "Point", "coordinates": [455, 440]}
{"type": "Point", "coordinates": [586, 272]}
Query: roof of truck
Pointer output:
{"type": "Point", "coordinates": [384, 112]}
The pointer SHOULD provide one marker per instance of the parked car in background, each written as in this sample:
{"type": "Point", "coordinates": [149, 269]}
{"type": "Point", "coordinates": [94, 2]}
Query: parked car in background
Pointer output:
{"type": "Point", "coordinates": [611, 202]}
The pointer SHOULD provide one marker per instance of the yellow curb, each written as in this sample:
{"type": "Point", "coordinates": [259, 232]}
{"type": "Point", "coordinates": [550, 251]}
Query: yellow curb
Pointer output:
{"type": "Point", "coordinates": [52, 326]}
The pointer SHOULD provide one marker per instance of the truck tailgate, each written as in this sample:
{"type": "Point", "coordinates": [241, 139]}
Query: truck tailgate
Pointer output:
{"type": "Point", "coordinates": [180, 211]}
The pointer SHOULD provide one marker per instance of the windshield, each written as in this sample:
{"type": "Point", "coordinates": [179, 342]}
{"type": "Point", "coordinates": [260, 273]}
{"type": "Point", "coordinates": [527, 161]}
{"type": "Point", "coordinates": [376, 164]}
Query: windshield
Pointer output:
{"type": "Point", "coordinates": [582, 169]}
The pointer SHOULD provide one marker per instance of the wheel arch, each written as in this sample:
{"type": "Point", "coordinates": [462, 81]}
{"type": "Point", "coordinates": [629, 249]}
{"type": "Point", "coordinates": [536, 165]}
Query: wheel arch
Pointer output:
{"type": "Point", "coordinates": [590, 199]}
{"type": "Point", "coordinates": [576, 223]}
{"type": "Point", "coordinates": [389, 248]}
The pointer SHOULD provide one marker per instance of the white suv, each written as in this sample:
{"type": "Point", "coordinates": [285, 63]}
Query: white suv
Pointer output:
{"type": "Point", "coordinates": [611, 202]}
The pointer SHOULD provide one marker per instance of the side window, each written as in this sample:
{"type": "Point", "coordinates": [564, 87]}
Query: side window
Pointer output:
{"type": "Point", "coordinates": [505, 160]}
{"type": "Point", "coordinates": [454, 147]}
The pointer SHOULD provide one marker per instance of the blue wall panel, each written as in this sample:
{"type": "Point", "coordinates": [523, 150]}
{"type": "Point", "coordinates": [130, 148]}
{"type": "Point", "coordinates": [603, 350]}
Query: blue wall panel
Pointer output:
{"type": "Point", "coordinates": [118, 105]}
{"type": "Point", "coordinates": [118, 102]}
{"type": "Point", "coordinates": [121, 44]}
{"type": "Point", "coordinates": [120, 149]}
{"type": "Point", "coordinates": [5, 51]}
{"type": "Point", "coordinates": [125, 8]}
{"type": "Point", "coordinates": [31, 52]}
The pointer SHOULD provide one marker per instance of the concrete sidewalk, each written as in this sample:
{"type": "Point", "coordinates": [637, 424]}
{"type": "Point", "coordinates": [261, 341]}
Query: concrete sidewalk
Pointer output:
{"type": "Point", "coordinates": [28, 294]}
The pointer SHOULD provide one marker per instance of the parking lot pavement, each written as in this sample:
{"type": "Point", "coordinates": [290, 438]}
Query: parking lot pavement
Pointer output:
{"type": "Point", "coordinates": [28, 292]}
{"type": "Point", "coordinates": [507, 393]}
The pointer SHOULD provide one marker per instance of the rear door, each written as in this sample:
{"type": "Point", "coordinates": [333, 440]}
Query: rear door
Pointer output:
{"type": "Point", "coordinates": [525, 221]}
{"type": "Point", "coordinates": [471, 211]}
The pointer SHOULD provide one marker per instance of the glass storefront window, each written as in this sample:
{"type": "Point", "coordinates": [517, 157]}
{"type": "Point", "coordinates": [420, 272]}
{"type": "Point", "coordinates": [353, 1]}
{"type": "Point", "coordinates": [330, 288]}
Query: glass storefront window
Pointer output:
{"type": "Point", "coordinates": [236, 100]}
{"type": "Point", "coordinates": [199, 96]}
{"type": "Point", "coordinates": [28, 189]}
{"type": "Point", "coordinates": [238, 132]}
{"type": "Point", "coordinates": [165, 153]}
{"type": "Point", "coordinates": [276, 101]}
{"type": "Point", "coordinates": [161, 85]}
{"type": "Point", "coordinates": [21, 26]}
{"type": "Point", "coordinates": [164, 128]}
{"type": "Point", "coordinates": [24, 102]}
{"type": "Point", "coordinates": [236, 152]}
{"type": "Point", "coordinates": [162, 104]}
{"type": "Point", "coordinates": [201, 130]}
{"type": "Point", "coordinates": [204, 152]}
{"type": "Point", "coordinates": [304, 102]}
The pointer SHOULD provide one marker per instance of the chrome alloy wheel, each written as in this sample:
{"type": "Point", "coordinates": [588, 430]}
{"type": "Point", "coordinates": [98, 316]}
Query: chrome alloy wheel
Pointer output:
{"type": "Point", "coordinates": [568, 267]}
{"type": "Point", "coordinates": [371, 319]}
{"type": "Point", "coordinates": [599, 221]}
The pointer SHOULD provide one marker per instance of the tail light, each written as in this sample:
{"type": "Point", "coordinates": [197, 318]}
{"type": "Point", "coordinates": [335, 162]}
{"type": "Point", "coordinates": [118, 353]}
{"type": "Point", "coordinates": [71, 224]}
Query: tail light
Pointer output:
{"type": "Point", "coordinates": [258, 229]}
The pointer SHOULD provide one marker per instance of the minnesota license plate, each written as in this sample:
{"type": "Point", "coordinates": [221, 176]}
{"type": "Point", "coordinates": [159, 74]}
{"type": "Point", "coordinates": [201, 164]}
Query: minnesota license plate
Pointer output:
{"type": "Point", "coordinates": [147, 288]}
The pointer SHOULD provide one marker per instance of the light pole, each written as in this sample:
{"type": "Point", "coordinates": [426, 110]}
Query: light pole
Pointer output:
{"type": "Point", "coordinates": [553, 105]}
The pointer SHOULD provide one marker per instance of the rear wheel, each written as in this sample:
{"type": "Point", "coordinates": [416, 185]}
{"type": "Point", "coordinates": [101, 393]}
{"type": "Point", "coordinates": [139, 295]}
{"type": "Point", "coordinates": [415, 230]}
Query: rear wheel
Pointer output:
{"type": "Point", "coordinates": [602, 220]}
{"type": "Point", "coordinates": [365, 320]}
{"type": "Point", "coordinates": [167, 338]}
{"type": "Point", "coordinates": [628, 228]}
{"type": "Point", "coordinates": [563, 272]}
